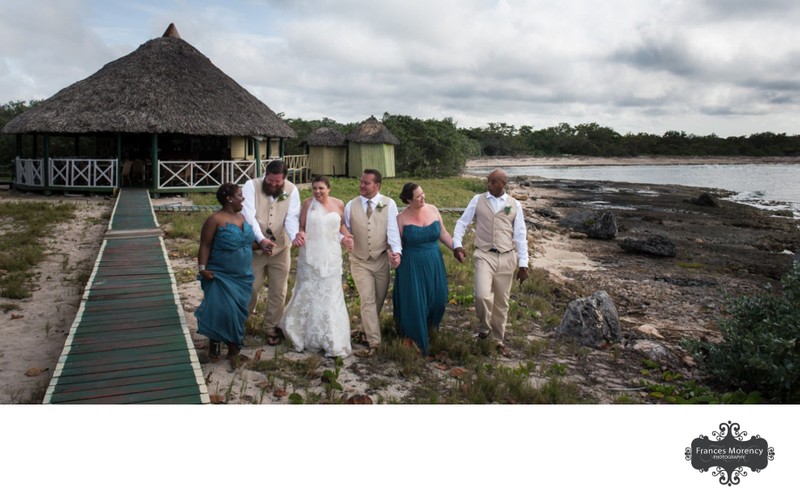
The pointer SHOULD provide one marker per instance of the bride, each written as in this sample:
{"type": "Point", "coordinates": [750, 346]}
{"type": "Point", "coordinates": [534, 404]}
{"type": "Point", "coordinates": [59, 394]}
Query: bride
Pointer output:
{"type": "Point", "coordinates": [316, 317]}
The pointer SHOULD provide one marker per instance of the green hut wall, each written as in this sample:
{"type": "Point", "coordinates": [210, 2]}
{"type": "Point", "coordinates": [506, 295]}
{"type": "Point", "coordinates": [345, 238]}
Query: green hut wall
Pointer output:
{"type": "Point", "coordinates": [371, 156]}
{"type": "Point", "coordinates": [328, 160]}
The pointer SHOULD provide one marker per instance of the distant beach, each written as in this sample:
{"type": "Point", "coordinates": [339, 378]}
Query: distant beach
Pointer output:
{"type": "Point", "coordinates": [578, 160]}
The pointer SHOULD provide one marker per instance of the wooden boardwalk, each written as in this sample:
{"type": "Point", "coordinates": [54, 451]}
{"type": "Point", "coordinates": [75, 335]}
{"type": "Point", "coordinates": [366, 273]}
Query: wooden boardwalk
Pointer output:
{"type": "Point", "coordinates": [129, 342]}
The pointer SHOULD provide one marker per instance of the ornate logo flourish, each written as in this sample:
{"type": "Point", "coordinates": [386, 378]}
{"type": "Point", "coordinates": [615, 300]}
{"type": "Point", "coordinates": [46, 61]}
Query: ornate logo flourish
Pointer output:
{"type": "Point", "coordinates": [729, 453]}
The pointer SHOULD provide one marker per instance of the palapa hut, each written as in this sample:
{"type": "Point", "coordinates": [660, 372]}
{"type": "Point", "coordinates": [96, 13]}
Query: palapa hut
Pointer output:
{"type": "Point", "coordinates": [163, 116]}
{"type": "Point", "coordinates": [327, 152]}
{"type": "Point", "coordinates": [371, 146]}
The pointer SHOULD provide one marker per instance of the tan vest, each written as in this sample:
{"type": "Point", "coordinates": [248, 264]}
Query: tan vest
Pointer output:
{"type": "Point", "coordinates": [369, 234]}
{"type": "Point", "coordinates": [272, 214]}
{"type": "Point", "coordinates": [494, 230]}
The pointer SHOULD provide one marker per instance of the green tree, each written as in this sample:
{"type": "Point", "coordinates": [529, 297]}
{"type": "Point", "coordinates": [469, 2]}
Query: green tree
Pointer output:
{"type": "Point", "coordinates": [429, 148]}
{"type": "Point", "coordinates": [8, 142]}
{"type": "Point", "coordinates": [304, 127]}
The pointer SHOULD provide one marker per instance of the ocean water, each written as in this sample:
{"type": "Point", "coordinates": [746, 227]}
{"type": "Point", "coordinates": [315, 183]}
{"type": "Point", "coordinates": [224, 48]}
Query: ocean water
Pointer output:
{"type": "Point", "coordinates": [771, 186]}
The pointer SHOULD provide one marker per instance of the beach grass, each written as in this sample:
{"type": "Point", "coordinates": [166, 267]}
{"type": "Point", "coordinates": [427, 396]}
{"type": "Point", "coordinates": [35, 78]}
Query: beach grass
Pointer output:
{"type": "Point", "coordinates": [27, 226]}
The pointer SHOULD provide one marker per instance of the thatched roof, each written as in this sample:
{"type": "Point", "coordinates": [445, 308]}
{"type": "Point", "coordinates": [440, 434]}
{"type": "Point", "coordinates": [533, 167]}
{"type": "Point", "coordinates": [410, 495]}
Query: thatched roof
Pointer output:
{"type": "Point", "coordinates": [164, 86]}
{"type": "Point", "coordinates": [372, 131]}
{"type": "Point", "coordinates": [325, 136]}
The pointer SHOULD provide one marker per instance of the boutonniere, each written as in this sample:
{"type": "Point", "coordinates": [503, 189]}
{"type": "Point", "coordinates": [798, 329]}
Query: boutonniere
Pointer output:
{"type": "Point", "coordinates": [283, 196]}
{"type": "Point", "coordinates": [507, 209]}
{"type": "Point", "coordinates": [380, 205]}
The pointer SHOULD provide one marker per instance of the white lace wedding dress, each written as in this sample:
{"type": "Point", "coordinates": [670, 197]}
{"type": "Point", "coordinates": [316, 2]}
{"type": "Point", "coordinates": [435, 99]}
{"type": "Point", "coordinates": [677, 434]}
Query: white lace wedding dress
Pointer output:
{"type": "Point", "coordinates": [316, 318]}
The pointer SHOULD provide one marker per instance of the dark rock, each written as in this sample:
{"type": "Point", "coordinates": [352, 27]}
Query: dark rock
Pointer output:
{"type": "Point", "coordinates": [686, 282]}
{"type": "Point", "coordinates": [595, 224]}
{"type": "Point", "coordinates": [705, 199]}
{"type": "Point", "coordinates": [649, 243]}
{"type": "Point", "coordinates": [591, 321]}
{"type": "Point", "coordinates": [548, 213]}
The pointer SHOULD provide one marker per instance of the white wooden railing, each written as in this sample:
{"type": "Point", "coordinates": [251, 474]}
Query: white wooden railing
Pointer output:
{"type": "Point", "coordinates": [30, 172]}
{"type": "Point", "coordinates": [68, 173]}
{"type": "Point", "coordinates": [299, 169]}
{"type": "Point", "coordinates": [204, 174]}
{"type": "Point", "coordinates": [173, 175]}
{"type": "Point", "coordinates": [82, 173]}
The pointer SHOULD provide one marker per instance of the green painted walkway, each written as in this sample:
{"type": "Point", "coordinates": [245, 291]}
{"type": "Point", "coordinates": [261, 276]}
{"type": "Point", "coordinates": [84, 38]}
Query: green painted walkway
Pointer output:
{"type": "Point", "coordinates": [129, 342]}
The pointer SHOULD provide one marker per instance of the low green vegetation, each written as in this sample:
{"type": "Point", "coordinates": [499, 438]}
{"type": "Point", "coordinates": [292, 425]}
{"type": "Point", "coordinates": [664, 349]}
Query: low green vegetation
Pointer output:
{"type": "Point", "coordinates": [25, 227]}
{"type": "Point", "coordinates": [760, 351]}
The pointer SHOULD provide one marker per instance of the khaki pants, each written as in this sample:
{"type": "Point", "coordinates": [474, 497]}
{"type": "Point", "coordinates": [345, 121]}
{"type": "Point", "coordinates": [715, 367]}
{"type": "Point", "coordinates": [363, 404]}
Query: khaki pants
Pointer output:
{"type": "Point", "coordinates": [372, 282]}
{"type": "Point", "coordinates": [275, 269]}
{"type": "Point", "coordinates": [494, 275]}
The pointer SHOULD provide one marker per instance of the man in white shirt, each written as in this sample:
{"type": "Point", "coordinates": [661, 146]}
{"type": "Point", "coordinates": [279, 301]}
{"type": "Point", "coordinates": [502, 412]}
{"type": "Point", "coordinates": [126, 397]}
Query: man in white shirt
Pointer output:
{"type": "Point", "coordinates": [372, 220]}
{"type": "Point", "coordinates": [272, 208]}
{"type": "Point", "coordinates": [501, 247]}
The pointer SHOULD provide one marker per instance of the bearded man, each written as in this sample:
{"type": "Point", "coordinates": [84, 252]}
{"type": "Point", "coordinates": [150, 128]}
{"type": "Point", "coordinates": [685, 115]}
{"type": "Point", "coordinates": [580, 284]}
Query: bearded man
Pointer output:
{"type": "Point", "coordinates": [272, 207]}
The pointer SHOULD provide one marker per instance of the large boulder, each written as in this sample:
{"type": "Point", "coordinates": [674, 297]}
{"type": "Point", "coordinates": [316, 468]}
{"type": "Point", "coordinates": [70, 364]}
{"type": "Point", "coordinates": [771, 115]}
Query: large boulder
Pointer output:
{"type": "Point", "coordinates": [595, 224]}
{"type": "Point", "coordinates": [705, 199]}
{"type": "Point", "coordinates": [656, 244]}
{"type": "Point", "coordinates": [592, 321]}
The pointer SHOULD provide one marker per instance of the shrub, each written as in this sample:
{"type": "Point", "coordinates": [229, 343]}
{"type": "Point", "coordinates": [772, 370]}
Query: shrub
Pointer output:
{"type": "Point", "coordinates": [761, 346]}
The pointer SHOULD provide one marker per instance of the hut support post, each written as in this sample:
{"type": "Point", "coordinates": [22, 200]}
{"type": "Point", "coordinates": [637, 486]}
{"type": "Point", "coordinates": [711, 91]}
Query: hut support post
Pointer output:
{"type": "Point", "coordinates": [77, 146]}
{"type": "Point", "coordinates": [258, 156]}
{"type": "Point", "coordinates": [35, 144]}
{"type": "Point", "coordinates": [154, 155]}
{"type": "Point", "coordinates": [46, 163]}
{"type": "Point", "coordinates": [19, 145]}
{"type": "Point", "coordinates": [119, 160]}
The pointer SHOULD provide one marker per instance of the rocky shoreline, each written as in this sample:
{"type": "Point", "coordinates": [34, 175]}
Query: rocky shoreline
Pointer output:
{"type": "Point", "coordinates": [720, 249]}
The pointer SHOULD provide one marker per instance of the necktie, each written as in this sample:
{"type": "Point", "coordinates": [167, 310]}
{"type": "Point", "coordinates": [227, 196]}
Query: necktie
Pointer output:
{"type": "Point", "coordinates": [369, 208]}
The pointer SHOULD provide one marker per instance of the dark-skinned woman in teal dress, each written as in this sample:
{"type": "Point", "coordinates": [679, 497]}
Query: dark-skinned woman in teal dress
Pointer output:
{"type": "Point", "coordinates": [226, 275]}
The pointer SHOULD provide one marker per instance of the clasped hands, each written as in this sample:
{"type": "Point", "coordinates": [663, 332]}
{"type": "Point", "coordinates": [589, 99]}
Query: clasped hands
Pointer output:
{"type": "Point", "coordinates": [299, 239]}
{"type": "Point", "coordinates": [348, 243]}
{"type": "Point", "coordinates": [266, 246]}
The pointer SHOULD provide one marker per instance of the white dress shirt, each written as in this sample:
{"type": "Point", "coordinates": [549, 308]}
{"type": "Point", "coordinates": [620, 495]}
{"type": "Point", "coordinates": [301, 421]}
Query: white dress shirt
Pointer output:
{"type": "Point", "coordinates": [292, 222]}
{"type": "Point", "coordinates": [497, 203]}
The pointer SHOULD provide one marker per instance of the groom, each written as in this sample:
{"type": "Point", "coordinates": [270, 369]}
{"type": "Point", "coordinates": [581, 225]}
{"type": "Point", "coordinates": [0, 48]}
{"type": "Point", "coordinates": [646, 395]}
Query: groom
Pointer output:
{"type": "Point", "coordinates": [372, 220]}
{"type": "Point", "coordinates": [272, 208]}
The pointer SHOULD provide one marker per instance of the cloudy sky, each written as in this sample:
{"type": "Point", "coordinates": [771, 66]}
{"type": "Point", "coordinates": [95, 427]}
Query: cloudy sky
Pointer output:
{"type": "Point", "coordinates": [728, 67]}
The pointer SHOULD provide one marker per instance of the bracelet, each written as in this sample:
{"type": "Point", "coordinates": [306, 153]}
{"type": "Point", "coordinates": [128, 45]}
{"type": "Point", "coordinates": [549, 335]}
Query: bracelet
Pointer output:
{"type": "Point", "coordinates": [201, 267]}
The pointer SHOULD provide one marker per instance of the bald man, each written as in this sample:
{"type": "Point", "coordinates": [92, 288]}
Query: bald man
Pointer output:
{"type": "Point", "coordinates": [501, 248]}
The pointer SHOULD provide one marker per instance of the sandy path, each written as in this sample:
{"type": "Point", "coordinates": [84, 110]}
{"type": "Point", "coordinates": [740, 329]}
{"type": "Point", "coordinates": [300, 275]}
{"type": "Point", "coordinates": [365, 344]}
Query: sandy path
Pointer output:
{"type": "Point", "coordinates": [32, 335]}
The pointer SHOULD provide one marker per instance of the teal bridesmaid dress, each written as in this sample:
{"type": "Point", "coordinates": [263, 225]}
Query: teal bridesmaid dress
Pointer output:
{"type": "Point", "coordinates": [420, 284]}
{"type": "Point", "coordinates": [222, 315]}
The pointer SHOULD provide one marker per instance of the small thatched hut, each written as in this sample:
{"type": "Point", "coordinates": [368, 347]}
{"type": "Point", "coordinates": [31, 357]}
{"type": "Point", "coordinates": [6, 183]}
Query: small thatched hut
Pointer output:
{"type": "Point", "coordinates": [371, 146]}
{"type": "Point", "coordinates": [327, 152]}
{"type": "Point", "coordinates": [165, 104]}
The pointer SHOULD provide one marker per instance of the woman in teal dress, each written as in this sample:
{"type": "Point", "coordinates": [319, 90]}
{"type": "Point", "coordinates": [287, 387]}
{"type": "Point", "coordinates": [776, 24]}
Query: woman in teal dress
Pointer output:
{"type": "Point", "coordinates": [226, 275]}
{"type": "Point", "coordinates": [420, 282]}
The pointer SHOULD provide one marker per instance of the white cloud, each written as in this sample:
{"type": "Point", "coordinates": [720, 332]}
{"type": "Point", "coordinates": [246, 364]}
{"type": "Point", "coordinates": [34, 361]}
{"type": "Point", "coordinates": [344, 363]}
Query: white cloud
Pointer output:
{"type": "Point", "coordinates": [728, 67]}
